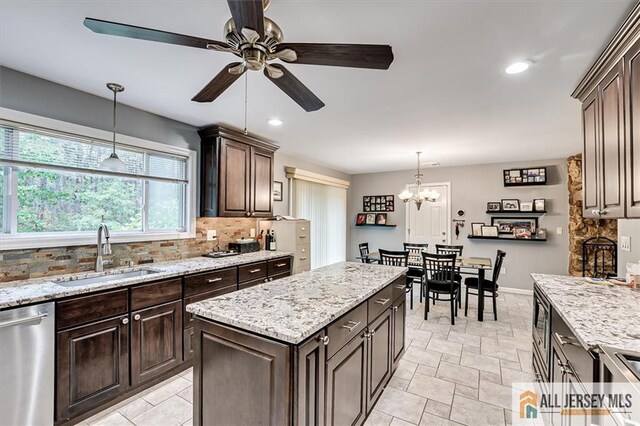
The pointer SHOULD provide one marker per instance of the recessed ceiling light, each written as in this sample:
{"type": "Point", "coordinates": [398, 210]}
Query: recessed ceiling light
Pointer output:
{"type": "Point", "coordinates": [275, 122]}
{"type": "Point", "coordinates": [517, 67]}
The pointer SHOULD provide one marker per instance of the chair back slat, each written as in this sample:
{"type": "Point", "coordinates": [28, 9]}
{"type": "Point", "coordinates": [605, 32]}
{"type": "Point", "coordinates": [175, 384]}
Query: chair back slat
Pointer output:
{"type": "Point", "coordinates": [439, 267]}
{"type": "Point", "coordinates": [364, 251]}
{"type": "Point", "coordinates": [393, 258]}
{"type": "Point", "coordinates": [446, 249]}
{"type": "Point", "coordinates": [497, 267]}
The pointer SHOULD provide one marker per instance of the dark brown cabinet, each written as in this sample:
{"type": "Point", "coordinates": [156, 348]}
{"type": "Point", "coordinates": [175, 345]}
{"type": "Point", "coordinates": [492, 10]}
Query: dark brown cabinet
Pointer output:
{"type": "Point", "coordinates": [92, 365]}
{"type": "Point", "coordinates": [379, 355]}
{"type": "Point", "coordinates": [346, 386]}
{"type": "Point", "coordinates": [237, 174]}
{"type": "Point", "coordinates": [156, 341]}
{"type": "Point", "coordinates": [399, 329]}
{"type": "Point", "coordinates": [310, 359]}
{"type": "Point", "coordinates": [632, 111]}
{"type": "Point", "coordinates": [611, 140]}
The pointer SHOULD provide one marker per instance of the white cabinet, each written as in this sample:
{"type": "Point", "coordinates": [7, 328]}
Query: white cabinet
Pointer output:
{"type": "Point", "coordinates": [293, 236]}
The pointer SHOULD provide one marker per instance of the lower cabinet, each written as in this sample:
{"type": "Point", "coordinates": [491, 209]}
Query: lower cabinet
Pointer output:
{"type": "Point", "coordinates": [310, 360]}
{"type": "Point", "coordinates": [379, 355]}
{"type": "Point", "coordinates": [156, 341]}
{"type": "Point", "coordinates": [399, 329]}
{"type": "Point", "coordinates": [92, 365]}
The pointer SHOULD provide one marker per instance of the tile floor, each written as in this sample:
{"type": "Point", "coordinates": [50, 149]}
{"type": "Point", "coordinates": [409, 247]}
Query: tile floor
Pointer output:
{"type": "Point", "coordinates": [449, 375]}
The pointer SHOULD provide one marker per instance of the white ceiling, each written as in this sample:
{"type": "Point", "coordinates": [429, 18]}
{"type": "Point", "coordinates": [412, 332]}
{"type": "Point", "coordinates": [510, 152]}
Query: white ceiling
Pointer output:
{"type": "Point", "coordinates": [445, 94]}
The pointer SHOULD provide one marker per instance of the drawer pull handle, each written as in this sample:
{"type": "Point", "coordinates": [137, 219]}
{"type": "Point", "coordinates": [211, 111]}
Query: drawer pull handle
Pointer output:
{"type": "Point", "coordinates": [324, 340]}
{"type": "Point", "coordinates": [303, 228]}
{"type": "Point", "coordinates": [280, 265]}
{"type": "Point", "coordinates": [214, 280]}
{"type": "Point", "coordinates": [253, 271]}
{"type": "Point", "coordinates": [401, 287]}
{"type": "Point", "coordinates": [350, 325]}
{"type": "Point", "coordinates": [125, 321]}
{"type": "Point", "coordinates": [563, 342]}
{"type": "Point", "coordinates": [136, 317]}
{"type": "Point", "coordinates": [302, 236]}
{"type": "Point", "coordinates": [303, 258]}
{"type": "Point", "coordinates": [382, 301]}
{"type": "Point", "coordinates": [18, 321]}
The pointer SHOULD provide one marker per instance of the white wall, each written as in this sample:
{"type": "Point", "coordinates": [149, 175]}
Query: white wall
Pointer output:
{"type": "Point", "coordinates": [471, 188]}
{"type": "Point", "coordinates": [628, 228]}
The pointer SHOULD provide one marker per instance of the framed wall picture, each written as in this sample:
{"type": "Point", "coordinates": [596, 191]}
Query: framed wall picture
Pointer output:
{"type": "Point", "coordinates": [541, 233]}
{"type": "Point", "coordinates": [526, 206]}
{"type": "Point", "coordinates": [371, 219]}
{"type": "Point", "coordinates": [378, 203]}
{"type": "Point", "coordinates": [489, 231]}
{"type": "Point", "coordinates": [525, 177]}
{"type": "Point", "coordinates": [361, 219]}
{"type": "Point", "coordinates": [539, 205]}
{"type": "Point", "coordinates": [522, 233]}
{"type": "Point", "coordinates": [511, 204]}
{"type": "Point", "coordinates": [381, 219]}
{"type": "Point", "coordinates": [494, 206]}
{"type": "Point", "coordinates": [506, 225]}
{"type": "Point", "coordinates": [476, 229]}
{"type": "Point", "coordinates": [277, 191]}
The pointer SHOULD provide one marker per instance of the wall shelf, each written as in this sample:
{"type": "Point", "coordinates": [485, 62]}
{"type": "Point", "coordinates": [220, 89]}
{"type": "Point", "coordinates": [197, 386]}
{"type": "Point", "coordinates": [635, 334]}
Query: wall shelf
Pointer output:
{"type": "Point", "coordinates": [515, 212]}
{"type": "Point", "coordinates": [375, 226]}
{"type": "Point", "coordinates": [504, 238]}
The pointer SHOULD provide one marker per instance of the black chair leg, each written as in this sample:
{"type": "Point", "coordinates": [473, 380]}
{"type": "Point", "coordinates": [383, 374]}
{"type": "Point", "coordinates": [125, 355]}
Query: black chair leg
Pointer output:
{"type": "Point", "coordinates": [426, 303]}
{"type": "Point", "coordinates": [453, 308]}
{"type": "Point", "coordinates": [495, 312]}
{"type": "Point", "coordinates": [466, 301]}
{"type": "Point", "coordinates": [411, 293]}
{"type": "Point", "coordinates": [459, 296]}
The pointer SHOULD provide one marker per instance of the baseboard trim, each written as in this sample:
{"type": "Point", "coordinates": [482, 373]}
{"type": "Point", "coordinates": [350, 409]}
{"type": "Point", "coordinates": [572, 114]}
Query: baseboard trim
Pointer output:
{"type": "Point", "coordinates": [516, 290]}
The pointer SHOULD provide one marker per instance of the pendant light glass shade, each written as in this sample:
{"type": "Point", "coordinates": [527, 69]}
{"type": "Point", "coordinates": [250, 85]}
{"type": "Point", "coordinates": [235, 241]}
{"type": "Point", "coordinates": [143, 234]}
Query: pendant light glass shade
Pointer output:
{"type": "Point", "coordinates": [419, 196]}
{"type": "Point", "coordinates": [113, 162]}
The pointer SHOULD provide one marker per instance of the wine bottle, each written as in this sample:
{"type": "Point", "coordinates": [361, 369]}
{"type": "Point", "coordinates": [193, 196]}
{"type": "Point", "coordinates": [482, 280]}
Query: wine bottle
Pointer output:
{"type": "Point", "coordinates": [272, 241]}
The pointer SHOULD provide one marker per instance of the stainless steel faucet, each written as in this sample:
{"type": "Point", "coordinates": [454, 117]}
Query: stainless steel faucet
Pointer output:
{"type": "Point", "coordinates": [103, 249]}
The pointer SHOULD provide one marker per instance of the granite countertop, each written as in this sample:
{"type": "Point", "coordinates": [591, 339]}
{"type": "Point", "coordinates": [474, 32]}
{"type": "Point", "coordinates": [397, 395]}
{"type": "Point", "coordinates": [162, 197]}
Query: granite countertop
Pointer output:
{"type": "Point", "coordinates": [292, 309]}
{"type": "Point", "coordinates": [17, 293]}
{"type": "Point", "coordinates": [597, 314]}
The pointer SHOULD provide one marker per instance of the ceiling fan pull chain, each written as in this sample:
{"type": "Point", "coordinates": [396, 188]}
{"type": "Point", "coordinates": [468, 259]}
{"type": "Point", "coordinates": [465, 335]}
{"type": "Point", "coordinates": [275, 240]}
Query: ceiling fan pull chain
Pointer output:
{"type": "Point", "coordinates": [246, 85]}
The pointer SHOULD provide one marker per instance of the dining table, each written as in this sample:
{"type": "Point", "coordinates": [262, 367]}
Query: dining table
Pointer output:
{"type": "Point", "coordinates": [471, 264]}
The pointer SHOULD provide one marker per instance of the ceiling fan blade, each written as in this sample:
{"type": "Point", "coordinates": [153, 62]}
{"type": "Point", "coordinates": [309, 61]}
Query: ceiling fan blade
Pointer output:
{"type": "Point", "coordinates": [219, 83]}
{"type": "Point", "coordinates": [249, 14]}
{"type": "Point", "coordinates": [374, 56]}
{"type": "Point", "coordinates": [142, 33]}
{"type": "Point", "coordinates": [293, 87]}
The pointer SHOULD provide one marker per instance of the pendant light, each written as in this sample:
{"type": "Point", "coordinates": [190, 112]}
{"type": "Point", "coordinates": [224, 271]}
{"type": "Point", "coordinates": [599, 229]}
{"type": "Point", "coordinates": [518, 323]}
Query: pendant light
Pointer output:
{"type": "Point", "coordinates": [419, 196]}
{"type": "Point", "coordinates": [113, 162]}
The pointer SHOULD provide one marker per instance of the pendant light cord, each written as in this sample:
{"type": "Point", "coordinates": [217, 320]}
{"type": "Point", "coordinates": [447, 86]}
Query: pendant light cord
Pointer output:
{"type": "Point", "coordinates": [246, 85]}
{"type": "Point", "coordinates": [115, 94]}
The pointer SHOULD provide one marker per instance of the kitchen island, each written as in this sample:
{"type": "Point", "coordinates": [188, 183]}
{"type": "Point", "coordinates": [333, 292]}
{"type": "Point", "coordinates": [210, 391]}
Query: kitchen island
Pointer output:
{"type": "Point", "coordinates": [308, 349]}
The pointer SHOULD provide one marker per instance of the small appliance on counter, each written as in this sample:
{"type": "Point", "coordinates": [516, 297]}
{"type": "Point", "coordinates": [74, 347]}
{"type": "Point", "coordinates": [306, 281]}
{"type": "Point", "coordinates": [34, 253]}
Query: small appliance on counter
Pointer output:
{"type": "Point", "coordinates": [245, 246]}
{"type": "Point", "coordinates": [218, 254]}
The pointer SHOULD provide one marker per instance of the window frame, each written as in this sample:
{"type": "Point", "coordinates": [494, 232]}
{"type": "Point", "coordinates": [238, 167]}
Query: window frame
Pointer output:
{"type": "Point", "coordinates": [14, 240]}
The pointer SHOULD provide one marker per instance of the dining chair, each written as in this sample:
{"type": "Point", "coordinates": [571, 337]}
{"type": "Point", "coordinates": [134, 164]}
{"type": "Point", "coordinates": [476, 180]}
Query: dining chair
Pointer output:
{"type": "Point", "coordinates": [364, 251]}
{"type": "Point", "coordinates": [398, 258]}
{"type": "Point", "coordinates": [439, 272]}
{"type": "Point", "coordinates": [457, 250]}
{"type": "Point", "coordinates": [415, 271]}
{"type": "Point", "coordinates": [490, 286]}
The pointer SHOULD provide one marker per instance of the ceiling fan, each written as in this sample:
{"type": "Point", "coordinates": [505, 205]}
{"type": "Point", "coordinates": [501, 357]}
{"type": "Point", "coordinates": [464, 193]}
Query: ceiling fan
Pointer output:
{"type": "Point", "coordinates": [259, 40]}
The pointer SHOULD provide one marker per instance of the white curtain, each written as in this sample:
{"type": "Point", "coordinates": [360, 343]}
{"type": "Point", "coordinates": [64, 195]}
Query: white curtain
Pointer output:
{"type": "Point", "coordinates": [326, 207]}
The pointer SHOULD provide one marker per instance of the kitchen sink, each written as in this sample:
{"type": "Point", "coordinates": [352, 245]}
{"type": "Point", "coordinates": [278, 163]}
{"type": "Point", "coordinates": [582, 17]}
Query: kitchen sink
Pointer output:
{"type": "Point", "coordinates": [104, 278]}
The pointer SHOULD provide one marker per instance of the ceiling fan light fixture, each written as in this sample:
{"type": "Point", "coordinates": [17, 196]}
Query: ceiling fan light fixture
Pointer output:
{"type": "Point", "coordinates": [518, 67]}
{"type": "Point", "coordinates": [275, 122]}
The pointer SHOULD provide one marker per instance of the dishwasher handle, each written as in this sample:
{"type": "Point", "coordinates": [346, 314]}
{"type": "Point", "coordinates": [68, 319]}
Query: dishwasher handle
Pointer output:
{"type": "Point", "coordinates": [19, 321]}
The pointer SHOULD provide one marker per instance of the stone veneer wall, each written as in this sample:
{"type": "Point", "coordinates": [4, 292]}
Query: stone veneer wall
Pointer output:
{"type": "Point", "coordinates": [580, 228]}
{"type": "Point", "coordinates": [34, 263]}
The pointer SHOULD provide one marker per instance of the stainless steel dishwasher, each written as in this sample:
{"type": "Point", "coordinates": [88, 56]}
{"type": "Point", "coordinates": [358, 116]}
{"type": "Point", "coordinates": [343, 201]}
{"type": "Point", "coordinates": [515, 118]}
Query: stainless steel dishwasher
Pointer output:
{"type": "Point", "coordinates": [27, 346]}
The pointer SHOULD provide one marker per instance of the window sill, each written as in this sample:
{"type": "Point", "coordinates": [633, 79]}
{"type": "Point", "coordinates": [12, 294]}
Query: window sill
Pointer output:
{"type": "Point", "coordinates": [82, 239]}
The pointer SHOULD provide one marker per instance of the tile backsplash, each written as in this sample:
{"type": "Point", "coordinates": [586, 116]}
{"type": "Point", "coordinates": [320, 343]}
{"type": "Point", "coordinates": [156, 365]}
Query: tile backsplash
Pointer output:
{"type": "Point", "coordinates": [34, 263]}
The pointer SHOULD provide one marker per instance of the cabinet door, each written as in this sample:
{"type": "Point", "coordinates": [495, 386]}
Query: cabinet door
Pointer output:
{"type": "Point", "coordinates": [612, 144]}
{"type": "Point", "coordinates": [261, 183]}
{"type": "Point", "coordinates": [234, 178]}
{"type": "Point", "coordinates": [399, 327]}
{"type": "Point", "coordinates": [156, 341]}
{"type": "Point", "coordinates": [590, 168]}
{"type": "Point", "coordinates": [310, 373]}
{"type": "Point", "coordinates": [378, 357]}
{"type": "Point", "coordinates": [632, 98]}
{"type": "Point", "coordinates": [92, 365]}
{"type": "Point", "coordinates": [345, 388]}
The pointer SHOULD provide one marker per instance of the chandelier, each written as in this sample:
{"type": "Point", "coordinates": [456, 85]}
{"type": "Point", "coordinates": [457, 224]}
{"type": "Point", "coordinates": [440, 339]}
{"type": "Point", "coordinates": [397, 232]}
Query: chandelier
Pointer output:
{"type": "Point", "coordinates": [419, 196]}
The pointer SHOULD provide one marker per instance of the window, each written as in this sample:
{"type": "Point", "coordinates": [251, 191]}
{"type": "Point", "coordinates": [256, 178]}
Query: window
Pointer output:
{"type": "Point", "coordinates": [326, 207]}
{"type": "Point", "coordinates": [51, 185]}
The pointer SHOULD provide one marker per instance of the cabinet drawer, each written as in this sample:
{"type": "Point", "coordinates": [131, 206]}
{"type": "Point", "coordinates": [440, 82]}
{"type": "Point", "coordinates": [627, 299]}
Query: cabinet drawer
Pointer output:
{"type": "Point", "coordinates": [277, 277]}
{"type": "Point", "coordinates": [302, 228]}
{"type": "Point", "coordinates": [188, 318]}
{"type": "Point", "coordinates": [302, 250]}
{"type": "Point", "coordinates": [81, 310]}
{"type": "Point", "coordinates": [252, 283]}
{"type": "Point", "coordinates": [156, 293]}
{"type": "Point", "coordinates": [252, 271]}
{"type": "Point", "coordinates": [346, 328]}
{"type": "Point", "coordinates": [399, 287]}
{"type": "Point", "coordinates": [380, 301]}
{"type": "Point", "coordinates": [200, 283]}
{"type": "Point", "coordinates": [302, 238]}
{"type": "Point", "coordinates": [583, 362]}
{"type": "Point", "coordinates": [279, 266]}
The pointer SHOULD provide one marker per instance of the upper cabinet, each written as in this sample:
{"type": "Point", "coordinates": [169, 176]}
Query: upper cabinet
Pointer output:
{"type": "Point", "coordinates": [610, 98]}
{"type": "Point", "coordinates": [237, 174]}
